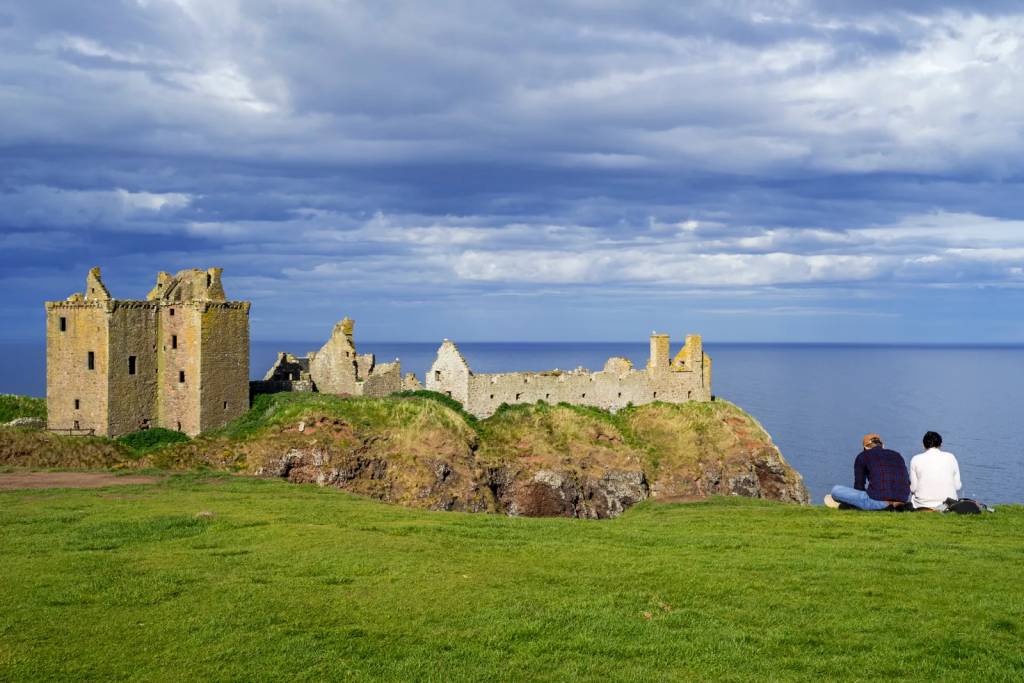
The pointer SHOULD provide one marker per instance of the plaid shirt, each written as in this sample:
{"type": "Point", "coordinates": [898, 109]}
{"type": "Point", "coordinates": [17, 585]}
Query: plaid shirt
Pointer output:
{"type": "Point", "coordinates": [885, 472]}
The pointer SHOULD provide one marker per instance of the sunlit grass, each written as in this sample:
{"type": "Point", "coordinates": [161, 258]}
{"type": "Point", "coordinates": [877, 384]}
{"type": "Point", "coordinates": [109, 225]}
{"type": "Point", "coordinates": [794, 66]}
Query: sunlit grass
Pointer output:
{"type": "Point", "coordinates": [238, 579]}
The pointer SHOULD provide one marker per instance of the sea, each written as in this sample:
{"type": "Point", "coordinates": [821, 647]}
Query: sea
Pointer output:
{"type": "Point", "coordinates": [816, 400]}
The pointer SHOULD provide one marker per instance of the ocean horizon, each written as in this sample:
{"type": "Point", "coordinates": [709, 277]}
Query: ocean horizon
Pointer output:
{"type": "Point", "coordinates": [815, 399]}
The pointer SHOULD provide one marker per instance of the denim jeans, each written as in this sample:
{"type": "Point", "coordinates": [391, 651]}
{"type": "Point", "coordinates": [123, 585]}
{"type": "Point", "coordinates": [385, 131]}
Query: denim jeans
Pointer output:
{"type": "Point", "coordinates": [858, 499]}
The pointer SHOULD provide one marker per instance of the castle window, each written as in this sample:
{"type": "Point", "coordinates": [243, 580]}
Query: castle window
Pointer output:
{"type": "Point", "coordinates": [179, 425]}
{"type": "Point", "coordinates": [583, 395]}
{"type": "Point", "coordinates": [209, 280]}
{"type": "Point", "coordinates": [90, 361]}
{"type": "Point", "coordinates": [655, 394]}
{"type": "Point", "coordinates": [76, 425]}
{"type": "Point", "coordinates": [63, 324]}
{"type": "Point", "coordinates": [172, 311]}
{"type": "Point", "coordinates": [225, 405]}
{"type": "Point", "coordinates": [174, 341]}
{"type": "Point", "coordinates": [492, 397]}
{"type": "Point", "coordinates": [437, 375]}
{"type": "Point", "coordinates": [181, 376]}
{"type": "Point", "coordinates": [620, 394]}
{"type": "Point", "coordinates": [448, 393]}
{"type": "Point", "coordinates": [131, 365]}
{"type": "Point", "coordinates": [78, 404]}
{"type": "Point", "coordinates": [526, 380]}
{"type": "Point", "coordinates": [689, 394]}
{"type": "Point", "coordinates": [517, 396]}
{"type": "Point", "coordinates": [547, 396]}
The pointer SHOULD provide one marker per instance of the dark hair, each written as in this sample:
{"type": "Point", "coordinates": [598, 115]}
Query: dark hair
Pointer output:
{"type": "Point", "coordinates": [932, 440]}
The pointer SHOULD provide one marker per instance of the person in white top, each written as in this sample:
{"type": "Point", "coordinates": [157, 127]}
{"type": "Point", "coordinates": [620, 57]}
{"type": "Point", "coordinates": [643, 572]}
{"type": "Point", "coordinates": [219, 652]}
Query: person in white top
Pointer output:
{"type": "Point", "coordinates": [934, 475]}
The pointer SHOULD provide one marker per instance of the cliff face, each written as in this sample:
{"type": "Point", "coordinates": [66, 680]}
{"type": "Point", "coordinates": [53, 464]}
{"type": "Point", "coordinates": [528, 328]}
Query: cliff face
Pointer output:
{"type": "Point", "coordinates": [533, 460]}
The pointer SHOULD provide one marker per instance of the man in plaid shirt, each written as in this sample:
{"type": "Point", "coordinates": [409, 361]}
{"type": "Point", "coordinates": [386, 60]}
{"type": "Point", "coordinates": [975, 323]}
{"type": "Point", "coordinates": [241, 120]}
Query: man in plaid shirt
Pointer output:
{"type": "Point", "coordinates": [880, 479]}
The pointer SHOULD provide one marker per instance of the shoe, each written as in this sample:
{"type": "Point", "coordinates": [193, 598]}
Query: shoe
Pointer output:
{"type": "Point", "coordinates": [831, 502]}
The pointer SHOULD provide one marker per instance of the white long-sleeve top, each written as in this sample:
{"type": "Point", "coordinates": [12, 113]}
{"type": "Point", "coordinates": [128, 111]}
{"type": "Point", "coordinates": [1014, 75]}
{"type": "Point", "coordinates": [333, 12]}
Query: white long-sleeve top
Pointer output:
{"type": "Point", "coordinates": [934, 477]}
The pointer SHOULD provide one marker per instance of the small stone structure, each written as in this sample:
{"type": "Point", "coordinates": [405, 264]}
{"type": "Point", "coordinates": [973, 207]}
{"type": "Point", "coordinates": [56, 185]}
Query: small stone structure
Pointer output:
{"type": "Point", "coordinates": [335, 369]}
{"type": "Point", "coordinates": [179, 359]}
{"type": "Point", "coordinates": [686, 377]}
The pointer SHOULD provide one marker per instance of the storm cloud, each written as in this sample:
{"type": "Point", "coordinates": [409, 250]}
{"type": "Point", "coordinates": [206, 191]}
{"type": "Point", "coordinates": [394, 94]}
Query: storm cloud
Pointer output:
{"type": "Point", "coordinates": [789, 170]}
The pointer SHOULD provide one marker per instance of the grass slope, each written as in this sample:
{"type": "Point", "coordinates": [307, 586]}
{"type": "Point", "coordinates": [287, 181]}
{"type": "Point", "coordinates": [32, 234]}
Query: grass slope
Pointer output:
{"type": "Point", "coordinates": [13, 406]}
{"type": "Point", "coordinates": [286, 582]}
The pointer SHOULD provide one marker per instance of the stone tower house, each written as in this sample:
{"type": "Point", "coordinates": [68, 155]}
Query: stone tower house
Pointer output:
{"type": "Point", "coordinates": [179, 359]}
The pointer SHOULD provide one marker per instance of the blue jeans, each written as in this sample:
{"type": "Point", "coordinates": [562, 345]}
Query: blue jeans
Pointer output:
{"type": "Point", "coordinates": [858, 499]}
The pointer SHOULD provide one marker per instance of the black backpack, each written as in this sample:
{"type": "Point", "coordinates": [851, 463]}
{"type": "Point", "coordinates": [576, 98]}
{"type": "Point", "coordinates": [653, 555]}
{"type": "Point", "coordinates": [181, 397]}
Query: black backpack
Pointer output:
{"type": "Point", "coordinates": [964, 506]}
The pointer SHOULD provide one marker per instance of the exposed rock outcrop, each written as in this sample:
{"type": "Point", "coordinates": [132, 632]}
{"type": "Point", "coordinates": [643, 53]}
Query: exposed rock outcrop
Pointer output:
{"type": "Point", "coordinates": [535, 460]}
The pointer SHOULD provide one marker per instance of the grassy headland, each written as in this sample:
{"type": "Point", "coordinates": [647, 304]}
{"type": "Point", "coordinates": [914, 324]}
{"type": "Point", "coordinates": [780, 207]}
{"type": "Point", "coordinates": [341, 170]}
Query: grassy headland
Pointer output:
{"type": "Point", "coordinates": [422, 449]}
{"type": "Point", "coordinates": [13, 406]}
{"type": "Point", "coordinates": [274, 581]}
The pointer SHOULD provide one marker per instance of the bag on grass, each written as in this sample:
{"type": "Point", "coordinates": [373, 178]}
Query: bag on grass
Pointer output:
{"type": "Point", "coordinates": [964, 506]}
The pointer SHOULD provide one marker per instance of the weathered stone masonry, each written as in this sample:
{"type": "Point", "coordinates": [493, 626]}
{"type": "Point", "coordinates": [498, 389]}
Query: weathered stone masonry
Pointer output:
{"type": "Point", "coordinates": [686, 377]}
{"type": "Point", "coordinates": [179, 359]}
{"type": "Point", "coordinates": [335, 369]}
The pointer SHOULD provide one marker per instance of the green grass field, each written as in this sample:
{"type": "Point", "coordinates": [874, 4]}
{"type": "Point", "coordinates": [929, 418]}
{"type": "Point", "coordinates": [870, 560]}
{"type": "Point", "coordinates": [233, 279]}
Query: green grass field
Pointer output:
{"type": "Point", "coordinates": [297, 582]}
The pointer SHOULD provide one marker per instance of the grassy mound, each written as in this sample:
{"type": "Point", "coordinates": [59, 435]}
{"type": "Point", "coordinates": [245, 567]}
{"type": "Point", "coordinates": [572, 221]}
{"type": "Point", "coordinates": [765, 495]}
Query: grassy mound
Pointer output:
{"type": "Point", "coordinates": [13, 406]}
{"type": "Point", "coordinates": [422, 448]}
{"type": "Point", "coordinates": [290, 582]}
{"type": "Point", "coordinates": [560, 435]}
{"type": "Point", "coordinates": [24, 449]}
{"type": "Point", "coordinates": [148, 440]}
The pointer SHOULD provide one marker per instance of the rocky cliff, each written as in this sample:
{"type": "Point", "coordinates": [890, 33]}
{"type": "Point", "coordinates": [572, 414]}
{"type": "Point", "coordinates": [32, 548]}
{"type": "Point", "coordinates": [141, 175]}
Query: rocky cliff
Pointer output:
{"type": "Point", "coordinates": [534, 460]}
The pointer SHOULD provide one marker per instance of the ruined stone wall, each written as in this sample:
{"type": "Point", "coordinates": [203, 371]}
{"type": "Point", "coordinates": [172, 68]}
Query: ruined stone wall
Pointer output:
{"type": "Point", "coordinates": [333, 367]}
{"type": "Point", "coordinates": [69, 381]}
{"type": "Point", "coordinates": [613, 388]}
{"type": "Point", "coordinates": [134, 328]}
{"type": "Point", "coordinates": [178, 375]}
{"type": "Point", "coordinates": [224, 372]}
{"type": "Point", "coordinates": [386, 379]}
{"type": "Point", "coordinates": [450, 374]}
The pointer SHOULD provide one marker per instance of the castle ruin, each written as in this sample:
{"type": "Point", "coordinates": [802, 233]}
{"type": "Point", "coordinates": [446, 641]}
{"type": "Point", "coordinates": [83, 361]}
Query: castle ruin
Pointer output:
{"type": "Point", "coordinates": [335, 369]}
{"type": "Point", "coordinates": [686, 377]}
{"type": "Point", "coordinates": [178, 359]}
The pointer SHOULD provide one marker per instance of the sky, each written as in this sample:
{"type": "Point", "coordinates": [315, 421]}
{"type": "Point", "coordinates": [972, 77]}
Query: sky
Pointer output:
{"type": "Point", "coordinates": [786, 170]}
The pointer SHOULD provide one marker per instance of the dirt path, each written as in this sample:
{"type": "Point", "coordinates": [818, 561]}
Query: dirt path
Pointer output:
{"type": "Point", "coordinates": [68, 480]}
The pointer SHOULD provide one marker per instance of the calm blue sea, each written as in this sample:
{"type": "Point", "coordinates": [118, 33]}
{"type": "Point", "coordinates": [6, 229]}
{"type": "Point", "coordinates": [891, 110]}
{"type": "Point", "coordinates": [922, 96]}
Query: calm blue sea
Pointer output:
{"type": "Point", "coordinates": [816, 400]}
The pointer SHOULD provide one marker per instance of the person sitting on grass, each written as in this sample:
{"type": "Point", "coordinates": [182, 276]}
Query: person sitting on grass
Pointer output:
{"type": "Point", "coordinates": [880, 479]}
{"type": "Point", "coordinates": [934, 475]}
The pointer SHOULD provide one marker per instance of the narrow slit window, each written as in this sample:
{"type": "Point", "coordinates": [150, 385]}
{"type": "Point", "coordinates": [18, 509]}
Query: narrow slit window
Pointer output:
{"type": "Point", "coordinates": [437, 375]}
{"type": "Point", "coordinates": [517, 396]}
{"type": "Point", "coordinates": [63, 324]}
{"type": "Point", "coordinates": [583, 395]}
{"type": "Point", "coordinates": [620, 394]}
{"type": "Point", "coordinates": [174, 341]}
{"type": "Point", "coordinates": [78, 404]}
{"type": "Point", "coordinates": [181, 376]}
{"type": "Point", "coordinates": [225, 405]}
{"type": "Point", "coordinates": [131, 365]}
{"type": "Point", "coordinates": [655, 394]}
{"type": "Point", "coordinates": [172, 311]}
{"type": "Point", "coordinates": [91, 360]}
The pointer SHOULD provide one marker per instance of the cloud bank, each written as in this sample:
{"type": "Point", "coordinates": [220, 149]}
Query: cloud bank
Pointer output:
{"type": "Point", "coordinates": [513, 170]}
